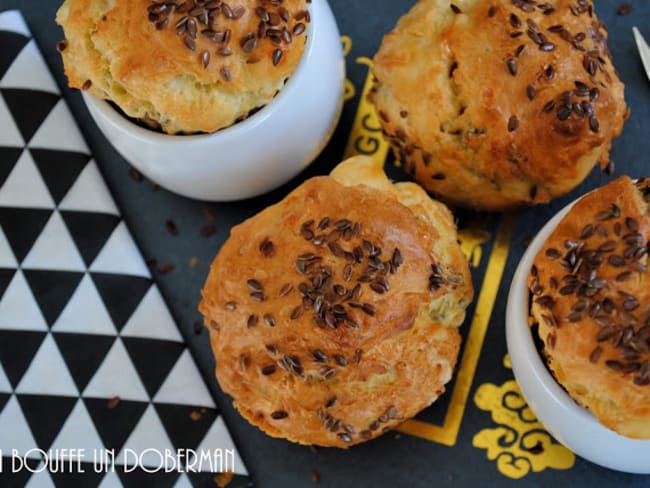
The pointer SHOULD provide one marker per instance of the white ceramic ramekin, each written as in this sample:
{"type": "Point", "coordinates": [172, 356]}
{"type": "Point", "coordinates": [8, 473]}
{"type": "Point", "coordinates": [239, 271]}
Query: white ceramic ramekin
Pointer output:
{"type": "Point", "coordinates": [255, 155]}
{"type": "Point", "coordinates": [569, 423]}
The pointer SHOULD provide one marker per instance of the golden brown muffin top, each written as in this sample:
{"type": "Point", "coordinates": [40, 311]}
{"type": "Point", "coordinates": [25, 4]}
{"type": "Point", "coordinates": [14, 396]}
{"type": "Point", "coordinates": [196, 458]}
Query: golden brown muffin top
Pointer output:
{"type": "Point", "coordinates": [334, 313]}
{"type": "Point", "coordinates": [591, 298]}
{"type": "Point", "coordinates": [518, 96]}
{"type": "Point", "coordinates": [193, 66]}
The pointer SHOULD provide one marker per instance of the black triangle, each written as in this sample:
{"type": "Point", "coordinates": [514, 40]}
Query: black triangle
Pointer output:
{"type": "Point", "coordinates": [52, 290]}
{"type": "Point", "coordinates": [59, 169]}
{"type": "Point", "coordinates": [9, 479]}
{"type": "Point", "coordinates": [121, 294]}
{"type": "Point", "coordinates": [183, 430]}
{"type": "Point", "coordinates": [90, 231]}
{"type": "Point", "coordinates": [139, 478]}
{"type": "Point", "coordinates": [12, 44]}
{"type": "Point", "coordinates": [45, 415]}
{"type": "Point", "coordinates": [114, 425]}
{"type": "Point", "coordinates": [4, 398]}
{"type": "Point", "coordinates": [153, 359]}
{"type": "Point", "coordinates": [6, 275]}
{"type": "Point", "coordinates": [8, 159]}
{"type": "Point", "coordinates": [83, 354]}
{"type": "Point", "coordinates": [29, 108]}
{"type": "Point", "coordinates": [206, 480]}
{"type": "Point", "coordinates": [22, 226]}
{"type": "Point", "coordinates": [83, 475]}
{"type": "Point", "coordinates": [17, 349]}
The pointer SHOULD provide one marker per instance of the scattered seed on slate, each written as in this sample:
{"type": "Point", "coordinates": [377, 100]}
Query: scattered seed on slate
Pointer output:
{"type": "Point", "coordinates": [208, 230]}
{"type": "Point", "coordinates": [166, 268]}
{"type": "Point", "coordinates": [624, 9]}
{"type": "Point", "coordinates": [171, 227]}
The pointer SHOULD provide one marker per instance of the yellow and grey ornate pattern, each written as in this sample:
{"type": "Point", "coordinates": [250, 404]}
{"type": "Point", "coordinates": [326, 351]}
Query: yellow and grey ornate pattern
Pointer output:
{"type": "Point", "coordinates": [518, 443]}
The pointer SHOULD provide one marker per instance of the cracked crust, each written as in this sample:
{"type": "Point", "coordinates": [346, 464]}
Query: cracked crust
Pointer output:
{"type": "Point", "coordinates": [445, 98]}
{"type": "Point", "coordinates": [381, 368]}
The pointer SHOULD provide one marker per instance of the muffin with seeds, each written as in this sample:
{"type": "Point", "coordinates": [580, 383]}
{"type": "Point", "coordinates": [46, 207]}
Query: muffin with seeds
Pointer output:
{"type": "Point", "coordinates": [334, 314]}
{"type": "Point", "coordinates": [590, 289]}
{"type": "Point", "coordinates": [492, 104]}
{"type": "Point", "coordinates": [183, 66]}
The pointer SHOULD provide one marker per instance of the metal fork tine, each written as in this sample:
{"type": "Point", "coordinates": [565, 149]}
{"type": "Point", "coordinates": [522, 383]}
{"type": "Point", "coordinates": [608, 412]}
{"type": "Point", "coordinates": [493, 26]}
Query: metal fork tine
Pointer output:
{"type": "Point", "coordinates": [644, 50]}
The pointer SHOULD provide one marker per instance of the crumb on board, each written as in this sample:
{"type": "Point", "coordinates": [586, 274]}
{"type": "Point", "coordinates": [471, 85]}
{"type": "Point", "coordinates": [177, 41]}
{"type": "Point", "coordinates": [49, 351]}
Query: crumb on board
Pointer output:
{"type": "Point", "coordinates": [624, 9]}
{"type": "Point", "coordinates": [209, 214]}
{"type": "Point", "coordinates": [136, 175]}
{"type": "Point", "coordinates": [113, 402]}
{"type": "Point", "coordinates": [222, 479]}
{"type": "Point", "coordinates": [198, 327]}
{"type": "Point", "coordinates": [208, 230]}
{"type": "Point", "coordinates": [166, 268]}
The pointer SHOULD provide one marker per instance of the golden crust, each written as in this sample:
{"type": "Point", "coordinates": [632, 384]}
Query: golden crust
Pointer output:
{"type": "Point", "coordinates": [597, 329]}
{"type": "Point", "coordinates": [382, 365]}
{"type": "Point", "coordinates": [152, 75]}
{"type": "Point", "coordinates": [446, 100]}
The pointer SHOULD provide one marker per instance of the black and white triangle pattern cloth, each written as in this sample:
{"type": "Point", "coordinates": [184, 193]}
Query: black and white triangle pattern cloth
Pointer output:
{"type": "Point", "coordinates": [82, 324]}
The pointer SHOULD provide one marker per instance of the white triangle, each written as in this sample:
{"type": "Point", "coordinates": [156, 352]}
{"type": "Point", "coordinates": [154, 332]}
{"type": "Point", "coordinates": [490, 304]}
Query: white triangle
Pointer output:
{"type": "Point", "coordinates": [12, 20]}
{"type": "Point", "coordinates": [18, 307]}
{"type": "Point", "coordinates": [89, 193]}
{"type": "Point", "coordinates": [9, 135]}
{"type": "Point", "coordinates": [7, 258]}
{"type": "Point", "coordinates": [152, 319]}
{"type": "Point", "coordinates": [218, 437]}
{"type": "Point", "coordinates": [85, 312]}
{"type": "Point", "coordinates": [54, 249]}
{"type": "Point", "coordinates": [48, 374]}
{"type": "Point", "coordinates": [25, 187]}
{"type": "Point", "coordinates": [59, 131]}
{"type": "Point", "coordinates": [120, 255]}
{"type": "Point", "coordinates": [183, 482]}
{"type": "Point", "coordinates": [16, 433]}
{"type": "Point", "coordinates": [28, 71]}
{"type": "Point", "coordinates": [40, 479]}
{"type": "Point", "coordinates": [148, 435]}
{"type": "Point", "coordinates": [184, 385]}
{"type": "Point", "coordinates": [117, 377]}
{"type": "Point", "coordinates": [111, 480]}
{"type": "Point", "coordinates": [5, 386]}
{"type": "Point", "coordinates": [79, 432]}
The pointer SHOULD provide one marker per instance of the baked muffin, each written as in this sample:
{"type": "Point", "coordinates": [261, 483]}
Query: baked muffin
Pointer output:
{"type": "Point", "coordinates": [591, 299]}
{"type": "Point", "coordinates": [334, 314]}
{"type": "Point", "coordinates": [183, 66]}
{"type": "Point", "coordinates": [492, 104]}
